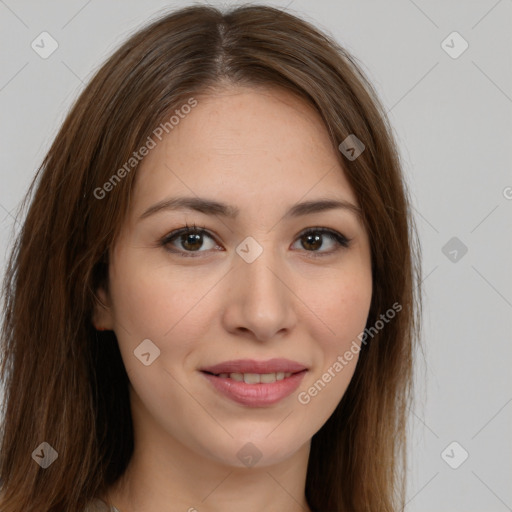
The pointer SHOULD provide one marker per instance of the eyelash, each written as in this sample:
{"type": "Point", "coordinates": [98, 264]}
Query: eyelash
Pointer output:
{"type": "Point", "coordinates": [342, 241]}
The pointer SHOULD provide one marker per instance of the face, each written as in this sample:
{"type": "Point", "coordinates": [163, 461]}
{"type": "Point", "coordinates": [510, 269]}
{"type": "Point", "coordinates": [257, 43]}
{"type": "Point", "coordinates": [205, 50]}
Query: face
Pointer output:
{"type": "Point", "coordinates": [258, 280]}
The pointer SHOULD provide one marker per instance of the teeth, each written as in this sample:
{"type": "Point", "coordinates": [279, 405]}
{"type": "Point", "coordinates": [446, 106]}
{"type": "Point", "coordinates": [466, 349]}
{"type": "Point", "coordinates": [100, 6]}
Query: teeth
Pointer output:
{"type": "Point", "coordinates": [251, 378]}
{"type": "Point", "coordinates": [256, 378]}
{"type": "Point", "coordinates": [268, 378]}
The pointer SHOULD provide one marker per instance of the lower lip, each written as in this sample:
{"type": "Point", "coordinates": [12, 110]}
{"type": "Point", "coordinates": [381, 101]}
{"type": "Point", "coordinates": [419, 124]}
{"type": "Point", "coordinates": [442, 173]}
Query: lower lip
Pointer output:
{"type": "Point", "coordinates": [256, 395]}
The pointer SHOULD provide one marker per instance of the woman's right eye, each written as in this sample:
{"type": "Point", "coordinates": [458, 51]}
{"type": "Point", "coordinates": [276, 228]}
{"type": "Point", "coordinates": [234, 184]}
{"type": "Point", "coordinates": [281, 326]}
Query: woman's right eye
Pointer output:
{"type": "Point", "coordinates": [187, 241]}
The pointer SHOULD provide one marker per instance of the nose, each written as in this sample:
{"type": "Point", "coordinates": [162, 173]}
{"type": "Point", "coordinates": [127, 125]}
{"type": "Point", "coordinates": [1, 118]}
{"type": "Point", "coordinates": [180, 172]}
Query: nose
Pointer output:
{"type": "Point", "coordinates": [260, 301]}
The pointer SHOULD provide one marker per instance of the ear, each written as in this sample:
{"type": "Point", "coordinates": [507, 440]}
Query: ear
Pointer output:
{"type": "Point", "coordinates": [102, 318]}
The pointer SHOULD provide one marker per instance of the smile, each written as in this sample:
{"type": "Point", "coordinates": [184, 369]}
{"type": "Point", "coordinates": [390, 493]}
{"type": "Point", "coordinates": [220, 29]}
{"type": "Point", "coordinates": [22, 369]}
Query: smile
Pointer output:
{"type": "Point", "coordinates": [253, 389]}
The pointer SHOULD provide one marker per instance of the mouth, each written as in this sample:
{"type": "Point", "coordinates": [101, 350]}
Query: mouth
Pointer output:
{"type": "Point", "coordinates": [255, 383]}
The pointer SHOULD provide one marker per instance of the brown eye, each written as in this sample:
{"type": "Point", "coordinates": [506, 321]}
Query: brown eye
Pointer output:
{"type": "Point", "coordinates": [187, 241]}
{"type": "Point", "coordinates": [313, 240]}
{"type": "Point", "coordinates": [191, 241]}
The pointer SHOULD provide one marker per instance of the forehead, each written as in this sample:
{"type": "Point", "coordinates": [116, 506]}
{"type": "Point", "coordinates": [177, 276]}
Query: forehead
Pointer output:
{"type": "Point", "coordinates": [243, 145]}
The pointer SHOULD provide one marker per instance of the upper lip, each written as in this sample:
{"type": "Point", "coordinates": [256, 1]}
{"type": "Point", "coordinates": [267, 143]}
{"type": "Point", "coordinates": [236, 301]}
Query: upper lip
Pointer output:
{"type": "Point", "coordinates": [253, 366]}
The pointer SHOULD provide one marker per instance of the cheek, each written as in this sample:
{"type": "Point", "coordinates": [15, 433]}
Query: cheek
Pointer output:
{"type": "Point", "coordinates": [341, 309]}
{"type": "Point", "coordinates": [149, 300]}
{"type": "Point", "coordinates": [151, 303]}
{"type": "Point", "coordinates": [140, 305]}
{"type": "Point", "coordinates": [164, 305]}
{"type": "Point", "coordinates": [341, 306]}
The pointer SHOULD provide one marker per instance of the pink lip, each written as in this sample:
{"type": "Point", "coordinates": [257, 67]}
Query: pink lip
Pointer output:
{"type": "Point", "coordinates": [252, 366]}
{"type": "Point", "coordinates": [256, 395]}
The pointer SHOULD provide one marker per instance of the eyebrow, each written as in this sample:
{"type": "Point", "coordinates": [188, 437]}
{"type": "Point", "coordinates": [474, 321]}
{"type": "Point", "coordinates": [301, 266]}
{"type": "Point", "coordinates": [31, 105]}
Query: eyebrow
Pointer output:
{"type": "Point", "coordinates": [212, 207]}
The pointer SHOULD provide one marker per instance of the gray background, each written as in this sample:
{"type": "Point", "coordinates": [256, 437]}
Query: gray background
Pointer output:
{"type": "Point", "coordinates": [452, 118]}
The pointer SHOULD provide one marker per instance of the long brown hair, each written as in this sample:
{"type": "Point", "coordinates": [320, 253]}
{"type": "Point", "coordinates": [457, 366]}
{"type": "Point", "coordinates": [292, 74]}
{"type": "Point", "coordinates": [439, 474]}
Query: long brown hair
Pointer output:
{"type": "Point", "coordinates": [65, 383]}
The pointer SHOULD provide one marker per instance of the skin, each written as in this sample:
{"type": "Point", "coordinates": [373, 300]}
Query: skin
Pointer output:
{"type": "Point", "coordinates": [263, 151]}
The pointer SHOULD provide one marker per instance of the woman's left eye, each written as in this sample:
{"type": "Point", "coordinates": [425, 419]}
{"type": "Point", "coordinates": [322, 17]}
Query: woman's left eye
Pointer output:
{"type": "Point", "coordinates": [192, 238]}
{"type": "Point", "coordinates": [314, 237]}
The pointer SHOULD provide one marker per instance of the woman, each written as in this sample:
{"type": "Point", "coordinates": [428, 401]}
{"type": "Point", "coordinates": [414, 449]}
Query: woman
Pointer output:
{"type": "Point", "coordinates": [211, 304]}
